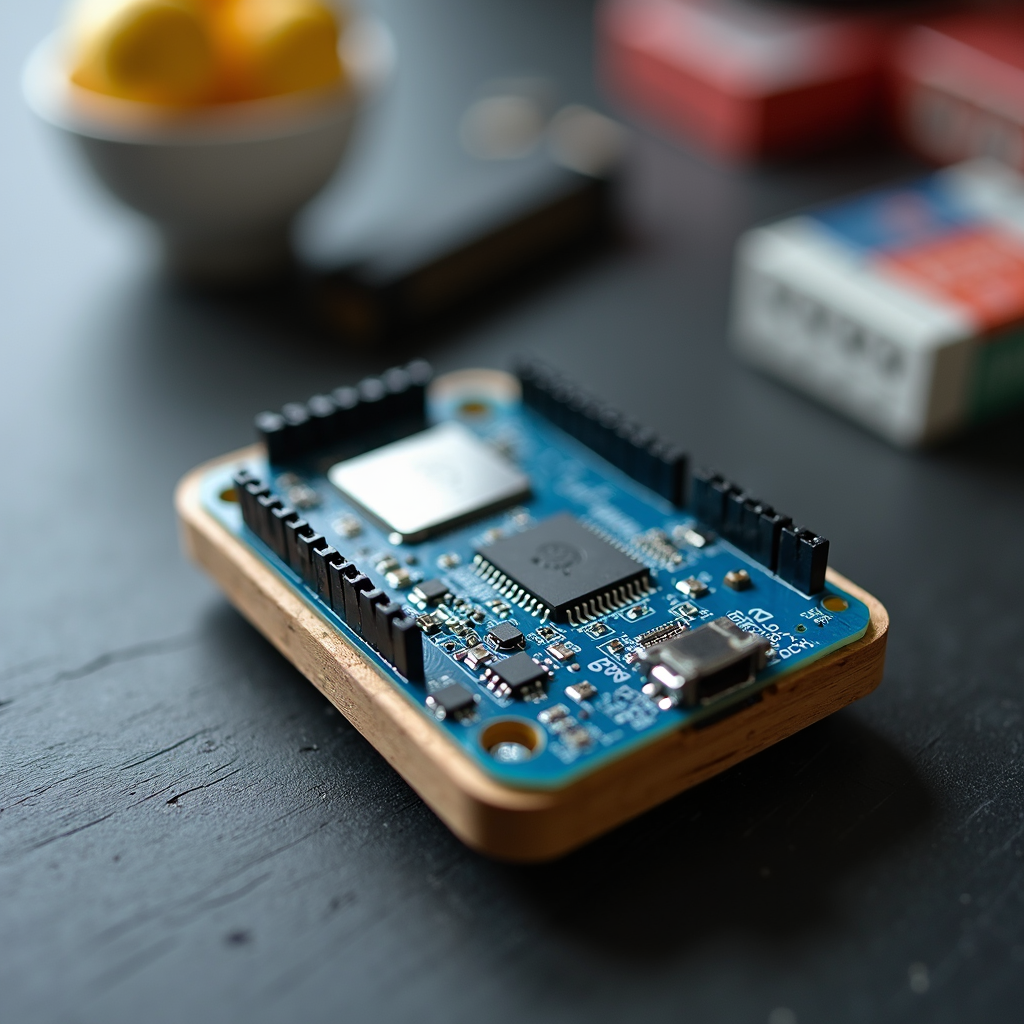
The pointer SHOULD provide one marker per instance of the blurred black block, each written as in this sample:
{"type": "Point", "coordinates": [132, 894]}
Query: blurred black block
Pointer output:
{"type": "Point", "coordinates": [433, 265]}
{"type": "Point", "coordinates": [381, 408]}
{"type": "Point", "coordinates": [272, 429]}
{"type": "Point", "coordinates": [252, 511]}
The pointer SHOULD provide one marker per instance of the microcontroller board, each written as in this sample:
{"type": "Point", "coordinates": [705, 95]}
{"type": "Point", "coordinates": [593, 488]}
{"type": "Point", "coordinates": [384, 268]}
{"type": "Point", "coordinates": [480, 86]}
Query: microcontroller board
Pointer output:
{"type": "Point", "coordinates": [542, 582]}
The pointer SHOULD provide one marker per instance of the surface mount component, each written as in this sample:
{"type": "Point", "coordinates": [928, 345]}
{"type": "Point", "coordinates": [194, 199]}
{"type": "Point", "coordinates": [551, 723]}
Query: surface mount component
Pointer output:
{"type": "Point", "coordinates": [551, 566]}
{"type": "Point", "coordinates": [429, 592]}
{"type": "Point", "coordinates": [430, 482]}
{"type": "Point", "coordinates": [692, 587]}
{"type": "Point", "coordinates": [583, 690]}
{"type": "Point", "coordinates": [703, 663]}
{"type": "Point", "coordinates": [562, 570]}
{"type": "Point", "coordinates": [737, 579]}
{"type": "Point", "coordinates": [519, 677]}
{"type": "Point", "coordinates": [453, 701]}
{"type": "Point", "coordinates": [506, 637]}
{"type": "Point", "coordinates": [562, 652]}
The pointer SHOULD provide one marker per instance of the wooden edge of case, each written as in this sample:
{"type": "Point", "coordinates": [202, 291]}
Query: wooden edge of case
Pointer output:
{"type": "Point", "coordinates": [498, 820]}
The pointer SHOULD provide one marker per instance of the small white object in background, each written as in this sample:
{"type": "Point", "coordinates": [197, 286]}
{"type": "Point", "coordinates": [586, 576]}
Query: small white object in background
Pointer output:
{"type": "Point", "coordinates": [902, 308]}
{"type": "Point", "coordinates": [515, 115]}
{"type": "Point", "coordinates": [222, 183]}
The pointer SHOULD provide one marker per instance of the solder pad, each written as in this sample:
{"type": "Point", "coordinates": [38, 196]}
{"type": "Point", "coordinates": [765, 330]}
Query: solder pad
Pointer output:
{"type": "Point", "coordinates": [613, 755]}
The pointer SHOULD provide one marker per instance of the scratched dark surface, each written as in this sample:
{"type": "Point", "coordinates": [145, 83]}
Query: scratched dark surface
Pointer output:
{"type": "Point", "coordinates": [189, 832]}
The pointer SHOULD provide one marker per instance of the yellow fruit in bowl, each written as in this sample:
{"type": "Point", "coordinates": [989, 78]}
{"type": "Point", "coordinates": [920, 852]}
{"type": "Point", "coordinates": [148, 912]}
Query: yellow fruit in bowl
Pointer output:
{"type": "Point", "coordinates": [156, 51]}
{"type": "Point", "coordinates": [204, 51]}
{"type": "Point", "coordinates": [272, 47]}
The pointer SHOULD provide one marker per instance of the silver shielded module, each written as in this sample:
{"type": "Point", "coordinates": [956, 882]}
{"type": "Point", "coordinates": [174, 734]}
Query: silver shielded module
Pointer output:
{"type": "Point", "coordinates": [430, 482]}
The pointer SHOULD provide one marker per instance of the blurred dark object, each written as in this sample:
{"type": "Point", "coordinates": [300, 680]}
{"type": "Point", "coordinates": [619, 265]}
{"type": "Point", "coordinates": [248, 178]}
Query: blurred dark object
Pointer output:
{"type": "Point", "coordinates": [744, 79]}
{"type": "Point", "coordinates": [959, 87]}
{"type": "Point", "coordinates": [512, 219]}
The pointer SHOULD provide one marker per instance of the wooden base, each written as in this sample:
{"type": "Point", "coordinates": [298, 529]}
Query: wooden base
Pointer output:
{"type": "Point", "coordinates": [506, 823]}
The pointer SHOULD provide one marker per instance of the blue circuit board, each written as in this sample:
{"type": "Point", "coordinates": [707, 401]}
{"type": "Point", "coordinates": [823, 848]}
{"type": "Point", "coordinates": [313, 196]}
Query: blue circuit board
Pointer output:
{"type": "Point", "coordinates": [573, 737]}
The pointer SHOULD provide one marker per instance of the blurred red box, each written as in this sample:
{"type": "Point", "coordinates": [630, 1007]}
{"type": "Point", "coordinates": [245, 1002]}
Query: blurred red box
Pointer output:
{"type": "Point", "coordinates": [959, 87]}
{"type": "Point", "coordinates": [745, 79]}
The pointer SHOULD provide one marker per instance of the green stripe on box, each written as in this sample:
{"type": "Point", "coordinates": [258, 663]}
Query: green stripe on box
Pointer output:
{"type": "Point", "coordinates": [999, 375]}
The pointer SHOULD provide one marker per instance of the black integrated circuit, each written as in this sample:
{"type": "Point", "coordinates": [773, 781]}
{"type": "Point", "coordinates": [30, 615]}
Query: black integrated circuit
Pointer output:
{"type": "Point", "coordinates": [519, 677]}
{"type": "Point", "coordinates": [563, 571]}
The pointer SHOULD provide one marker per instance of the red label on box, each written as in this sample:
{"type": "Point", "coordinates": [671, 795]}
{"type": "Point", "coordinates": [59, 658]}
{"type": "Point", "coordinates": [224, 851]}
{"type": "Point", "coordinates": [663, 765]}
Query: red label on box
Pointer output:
{"type": "Point", "coordinates": [981, 268]}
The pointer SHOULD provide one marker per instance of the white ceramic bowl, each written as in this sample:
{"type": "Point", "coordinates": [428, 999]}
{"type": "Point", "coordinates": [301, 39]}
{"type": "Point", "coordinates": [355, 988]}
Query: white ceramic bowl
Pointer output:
{"type": "Point", "coordinates": [221, 183]}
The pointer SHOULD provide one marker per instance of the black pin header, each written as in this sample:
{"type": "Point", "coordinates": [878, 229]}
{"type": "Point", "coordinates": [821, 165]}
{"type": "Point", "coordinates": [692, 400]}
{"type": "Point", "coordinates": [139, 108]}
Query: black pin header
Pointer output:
{"type": "Point", "coordinates": [628, 445]}
{"type": "Point", "coordinates": [381, 622]}
{"type": "Point", "coordinates": [796, 554]}
{"type": "Point", "coordinates": [393, 404]}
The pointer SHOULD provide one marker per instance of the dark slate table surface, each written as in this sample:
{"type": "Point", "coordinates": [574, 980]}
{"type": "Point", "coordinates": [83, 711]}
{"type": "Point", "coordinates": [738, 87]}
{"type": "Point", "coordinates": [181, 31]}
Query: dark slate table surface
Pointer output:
{"type": "Point", "coordinates": [188, 831]}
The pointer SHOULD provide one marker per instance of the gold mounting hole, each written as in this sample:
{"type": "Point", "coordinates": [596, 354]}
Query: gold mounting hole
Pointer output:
{"type": "Point", "coordinates": [835, 603]}
{"type": "Point", "coordinates": [474, 408]}
{"type": "Point", "coordinates": [228, 494]}
{"type": "Point", "coordinates": [511, 740]}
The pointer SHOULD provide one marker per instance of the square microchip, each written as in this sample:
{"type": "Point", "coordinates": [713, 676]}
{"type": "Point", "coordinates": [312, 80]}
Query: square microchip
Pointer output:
{"type": "Point", "coordinates": [506, 637]}
{"type": "Point", "coordinates": [453, 701]}
{"type": "Point", "coordinates": [519, 676]}
{"type": "Point", "coordinates": [430, 482]}
{"type": "Point", "coordinates": [561, 568]}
